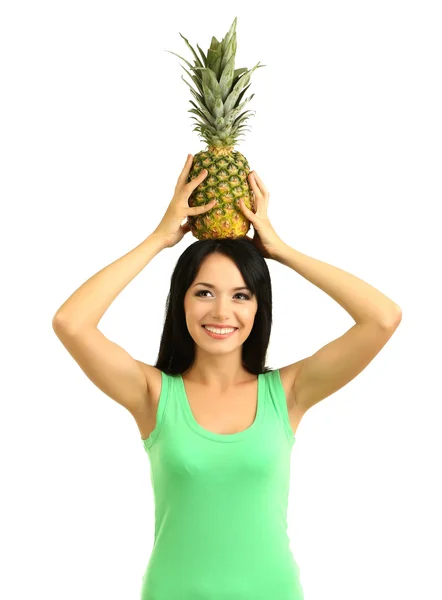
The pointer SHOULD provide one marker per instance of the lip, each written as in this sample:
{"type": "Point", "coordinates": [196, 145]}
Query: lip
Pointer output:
{"type": "Point", "coordinates": [218, 326]}
{"type": "Point", "coordinates": [217, 336]}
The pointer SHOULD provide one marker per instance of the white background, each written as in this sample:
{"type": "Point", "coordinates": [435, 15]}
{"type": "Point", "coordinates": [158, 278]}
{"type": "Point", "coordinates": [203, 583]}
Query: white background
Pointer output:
{"type": "Point", "coordinates": [347, 138]}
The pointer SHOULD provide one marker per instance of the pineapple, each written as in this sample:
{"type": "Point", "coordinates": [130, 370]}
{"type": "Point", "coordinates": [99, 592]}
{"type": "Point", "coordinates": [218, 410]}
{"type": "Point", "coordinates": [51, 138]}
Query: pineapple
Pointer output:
{"type": "Point", "coordinates": [221, 89]}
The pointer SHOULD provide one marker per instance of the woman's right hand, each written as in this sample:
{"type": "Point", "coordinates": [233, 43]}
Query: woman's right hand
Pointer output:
{"type": "Point", "coordinates": [170, 230]}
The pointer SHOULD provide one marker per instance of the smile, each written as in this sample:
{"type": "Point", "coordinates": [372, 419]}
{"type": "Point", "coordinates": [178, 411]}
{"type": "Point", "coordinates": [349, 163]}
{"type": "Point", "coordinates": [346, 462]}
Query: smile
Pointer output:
{"type": "Point", "coordinates": [219, 336]}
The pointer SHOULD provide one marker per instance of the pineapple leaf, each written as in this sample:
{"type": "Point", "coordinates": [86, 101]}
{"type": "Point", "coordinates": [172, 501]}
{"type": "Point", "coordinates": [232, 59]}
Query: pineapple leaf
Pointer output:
{"type": "Point", "coordinates": [238, 72]}
{"type": "Point", "coordinates": [242, 94]}
{"type": "Point", "coordinates": [237, 78]}
{"type": "Point", "coordinates": [186, 61]}
{"type": "Point", "coordinates": [202, 106]}
{"type": "Point", "coordinates": [195, 94]}
{"type": "Point", "coordinates": [227, 41]}
{"type": "Point", "coordinates": [225, 83]}
{"type": "Point", "coordinates": [191, 88]}
{"type": "Point", "coordinates": [204, 113]}
{"type": "Point", "coordinates": [217, 67]}
{"type": "Point", "coordinates": [197, 111]}
{"type": "Point", "coordinates": [238, 125]}
{"type": "Point", "coordinates": [175, 54]}
{"type": "Point", "coordinates": [209, 77]}
{"type": "Point", "coordinates": [209, 98]}
{"type": "Point", "coordinates": [203, 55]}
{"type": "Point", "coordinates": [218, 109]}
{"type": "Point", "coordinates": [214, 43]}
{"type": "Point", "coordinates": [195, 80]}
{"type": "Point", "coordinates": [202, 119]}
{"type": "Point", "coordinates": [233, 96]}
{"type": "Point", "coordinates": [230, 51]}
{"type": "Point", "coordinates": [198, 62]}
{"type": "Point", "coordinates": [211, 58]}
{"type": "Point", "coordinates": [212, 86]}
{"type": "Point", "coordinates": [212, 53]}
{"type": "Point", "coordinates": [231, 31]}
{"type": "Point", "coordinates": [242, 118]}
{"type": "Point", "coordinates": [204, 125]}
{"type": "Point", "coordinates": [235, 112]}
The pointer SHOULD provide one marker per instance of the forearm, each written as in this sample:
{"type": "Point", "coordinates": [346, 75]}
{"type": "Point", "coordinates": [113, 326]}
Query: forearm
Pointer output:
{"type": "Point", "coordinates": [90, 301]}
{"type": "Point", "coordinates": [362, 301]}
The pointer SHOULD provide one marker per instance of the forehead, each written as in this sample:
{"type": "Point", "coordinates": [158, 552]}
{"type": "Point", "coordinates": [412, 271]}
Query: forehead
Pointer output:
{"type": "Point", "coordinates": [215, 263]}
{"type": "Point", "coordinates": [220, 272]}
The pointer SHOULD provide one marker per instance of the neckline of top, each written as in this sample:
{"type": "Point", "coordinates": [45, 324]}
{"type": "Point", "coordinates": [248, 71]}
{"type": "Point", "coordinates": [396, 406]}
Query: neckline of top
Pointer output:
{"type": "Point", "coordinates": [223, 437]}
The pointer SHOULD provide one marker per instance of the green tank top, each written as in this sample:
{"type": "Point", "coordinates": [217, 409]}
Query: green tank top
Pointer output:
{"type": "Point", "coordinates": [221, 502]}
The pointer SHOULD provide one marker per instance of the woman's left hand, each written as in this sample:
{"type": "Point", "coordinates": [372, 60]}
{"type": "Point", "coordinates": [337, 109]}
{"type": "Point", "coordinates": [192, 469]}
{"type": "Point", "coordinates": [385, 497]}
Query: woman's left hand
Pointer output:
{"type": "Point", "coordinates": [265, 238]}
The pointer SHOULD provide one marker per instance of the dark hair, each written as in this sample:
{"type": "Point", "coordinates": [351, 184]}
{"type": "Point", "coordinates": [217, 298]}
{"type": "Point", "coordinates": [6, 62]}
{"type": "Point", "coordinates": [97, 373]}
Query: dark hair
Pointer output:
{"type": "Point", "coordinates": [177, 347]}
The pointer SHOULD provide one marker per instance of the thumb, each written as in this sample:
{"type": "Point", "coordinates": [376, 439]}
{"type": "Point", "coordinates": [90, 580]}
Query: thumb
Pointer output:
{"type": "Point", "coordinates": [185, 228]}
{"type": "Point", "coordinates": [247, 212]}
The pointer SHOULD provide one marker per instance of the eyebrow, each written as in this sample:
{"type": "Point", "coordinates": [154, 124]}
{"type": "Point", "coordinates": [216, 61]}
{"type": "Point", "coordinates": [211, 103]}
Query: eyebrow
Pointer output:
{"type": "Point", "coordinates": [209, 285]}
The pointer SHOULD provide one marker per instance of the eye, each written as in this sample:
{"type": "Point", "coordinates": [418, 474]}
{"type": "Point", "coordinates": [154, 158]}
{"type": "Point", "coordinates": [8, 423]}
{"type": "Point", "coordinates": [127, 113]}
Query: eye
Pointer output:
{"type": "Point", "coordinates": [204, 291]}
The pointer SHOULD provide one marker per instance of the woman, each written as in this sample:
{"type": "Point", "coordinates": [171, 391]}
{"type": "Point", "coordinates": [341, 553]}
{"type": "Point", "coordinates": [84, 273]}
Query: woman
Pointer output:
{"type": "Point", "coordinates": [217, 424]}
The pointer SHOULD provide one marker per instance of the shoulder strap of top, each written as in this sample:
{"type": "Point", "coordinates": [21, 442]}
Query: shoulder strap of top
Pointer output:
{"type": "Point", "coordinates": [166, 383]}
{"type": "Point", "coordinates": [279, 400]}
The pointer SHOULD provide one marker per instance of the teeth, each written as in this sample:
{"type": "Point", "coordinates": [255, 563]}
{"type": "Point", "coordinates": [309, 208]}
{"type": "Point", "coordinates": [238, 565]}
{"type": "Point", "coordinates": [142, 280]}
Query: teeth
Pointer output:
{"type": "Point", "coordinates": [219, 331]}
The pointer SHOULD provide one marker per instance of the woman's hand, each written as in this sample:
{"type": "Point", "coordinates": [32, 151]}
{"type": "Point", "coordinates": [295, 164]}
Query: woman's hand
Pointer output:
{"type": "Point", "coordinates": [265, 238]}
{"type": "Point", "coordinates": [170, 230]}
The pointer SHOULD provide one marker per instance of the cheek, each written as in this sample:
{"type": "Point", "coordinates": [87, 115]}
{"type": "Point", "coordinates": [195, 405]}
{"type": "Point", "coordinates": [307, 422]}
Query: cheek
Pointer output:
{"type": "Point", "coordinates": [249, 317]}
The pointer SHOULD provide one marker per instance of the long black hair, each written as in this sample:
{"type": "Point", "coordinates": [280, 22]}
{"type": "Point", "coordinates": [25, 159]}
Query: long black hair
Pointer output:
{"type": "Point", "coordinates": [177, 347]}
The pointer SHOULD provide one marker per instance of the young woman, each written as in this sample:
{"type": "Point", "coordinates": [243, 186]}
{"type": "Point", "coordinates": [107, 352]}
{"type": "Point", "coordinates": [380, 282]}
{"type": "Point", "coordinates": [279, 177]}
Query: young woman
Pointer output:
{"type": "Point", "coordinates": [217, 424]}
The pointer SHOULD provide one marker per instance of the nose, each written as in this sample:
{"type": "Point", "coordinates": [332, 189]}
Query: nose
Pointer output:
{"type": "Point", "coordinates": [221, 312]}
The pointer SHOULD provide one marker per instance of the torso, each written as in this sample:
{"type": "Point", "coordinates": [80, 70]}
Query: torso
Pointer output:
{"type": "Point", "coordinates": [226, 413]}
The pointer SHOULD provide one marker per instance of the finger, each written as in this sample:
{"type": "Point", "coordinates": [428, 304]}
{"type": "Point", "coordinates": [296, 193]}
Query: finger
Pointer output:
{"type": "Point", "coordinates": [185, 172]}
{"type": "Point", "coordinates": [185, 228]}
{"type": "Point", "coordinates": [245, 210]}
{"type": "Point", "coordinates": [195, 182]}
{"type": "Point", "coordinates": [197, 210]}
{"type": "Point", "coordinates": [259, 183]}
{"type": "Point", "coordinates": [253, 181]}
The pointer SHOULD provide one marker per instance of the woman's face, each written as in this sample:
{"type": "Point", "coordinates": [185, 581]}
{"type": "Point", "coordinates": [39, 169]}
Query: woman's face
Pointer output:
{"type": "Point", "coordinates": [220, 305]}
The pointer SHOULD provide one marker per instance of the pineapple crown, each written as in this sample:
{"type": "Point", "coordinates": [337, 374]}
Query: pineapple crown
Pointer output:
{"type": "Point", "coordinates": [221, 89]}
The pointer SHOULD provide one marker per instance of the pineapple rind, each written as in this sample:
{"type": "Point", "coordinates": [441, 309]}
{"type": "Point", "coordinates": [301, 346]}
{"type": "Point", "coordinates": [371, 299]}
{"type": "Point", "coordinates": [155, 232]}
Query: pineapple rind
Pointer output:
{"type": "Point", "coordinates": [227, 182]}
